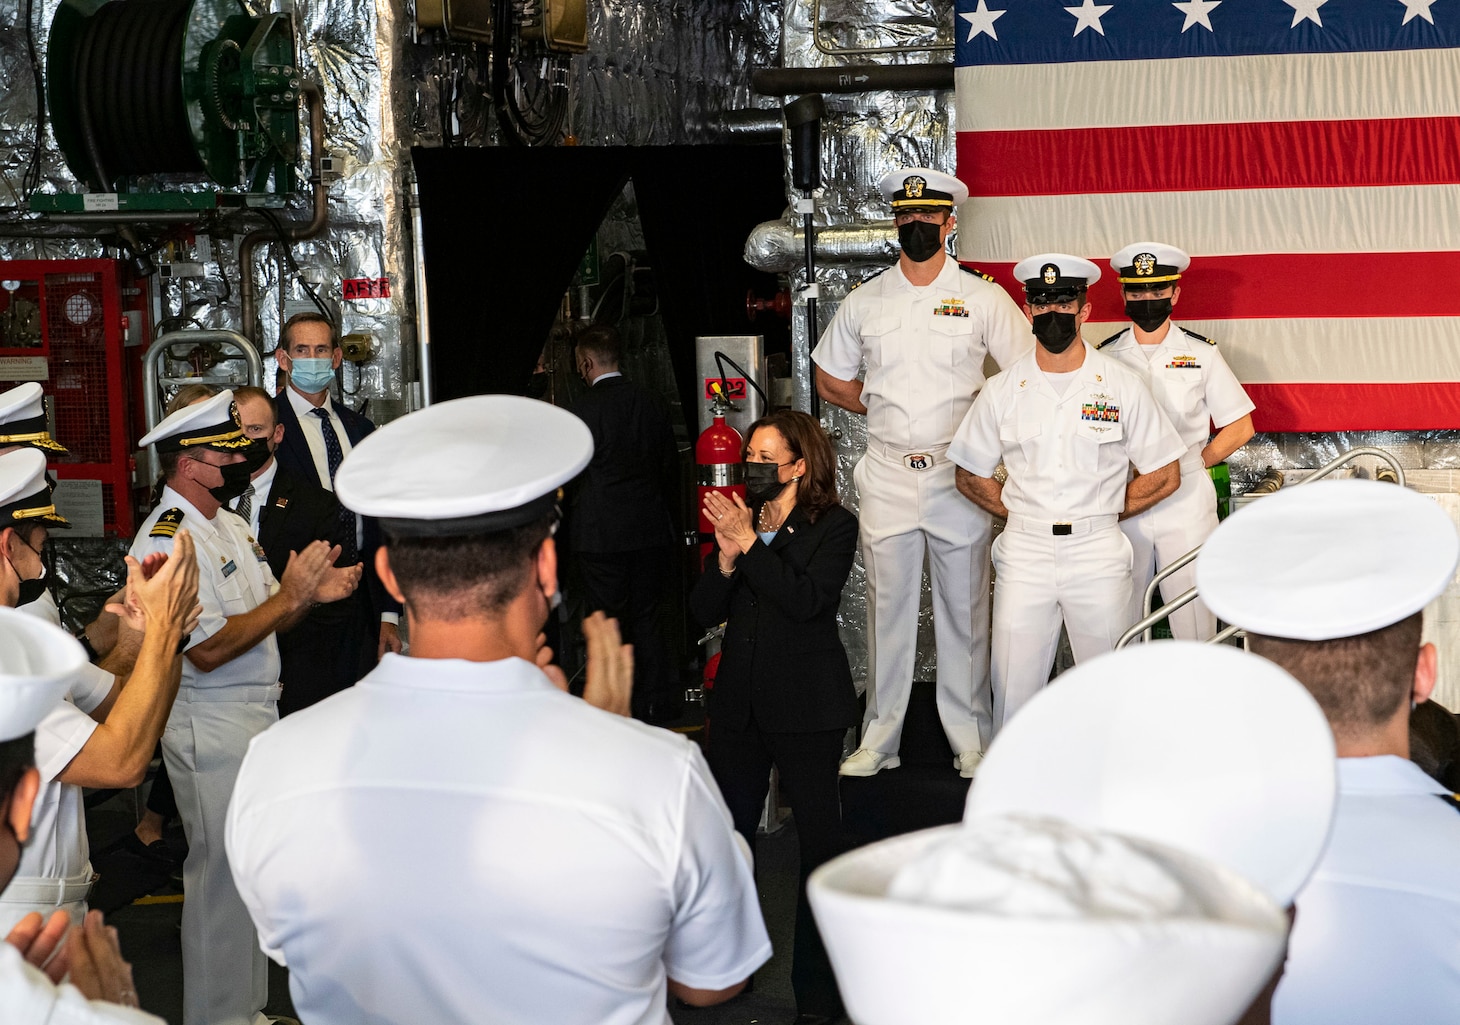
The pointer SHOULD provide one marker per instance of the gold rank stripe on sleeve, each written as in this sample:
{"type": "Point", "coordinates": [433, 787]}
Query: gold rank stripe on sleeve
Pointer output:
{"type": "Point", "coordinates": [167, 523]}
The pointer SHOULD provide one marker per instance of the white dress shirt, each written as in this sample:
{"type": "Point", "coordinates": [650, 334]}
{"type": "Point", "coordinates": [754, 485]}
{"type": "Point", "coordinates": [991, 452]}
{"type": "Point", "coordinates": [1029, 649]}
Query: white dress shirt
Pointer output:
{"type": "Point", "coordinates": [462, 841]}
{"type": "Point", "coordinates": [1377, 935]}
{"type": "Point", "coordinates": [261, 486]}
{"type": "Point", "coordinates": [27, 996]}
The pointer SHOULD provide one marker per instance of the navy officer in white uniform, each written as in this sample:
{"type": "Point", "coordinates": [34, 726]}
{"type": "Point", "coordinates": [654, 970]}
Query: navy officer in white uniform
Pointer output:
{"type": "Point", "coordinates": [1067, 423]}
{"type": "Point", "coordinates": [923, 328]}
{"type": "Point", "coordinates": [1330, 580]}
{"type": "Point", "coordinates": [230, 684]}
{"type": "Point", "coordinates": [1196, 390]}
{"type": "Point", "coordinates": [456, 838]}
{"type": "Point", "coordinates": [103, 732]}
{"type": "Point", "coordinates": [37, 663]}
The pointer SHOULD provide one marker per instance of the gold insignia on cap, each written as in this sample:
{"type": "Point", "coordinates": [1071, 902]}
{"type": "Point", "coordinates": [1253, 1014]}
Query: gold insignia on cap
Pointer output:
{"type": "Point", "coordinates": [1051, 273]}
{"type": "Point", "coordinates": [913, 186]}
{"type": "Point", "coordinates": [1145, 265]}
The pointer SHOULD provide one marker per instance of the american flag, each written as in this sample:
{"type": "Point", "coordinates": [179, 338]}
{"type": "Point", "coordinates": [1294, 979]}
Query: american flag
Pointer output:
{"type": "Point", "coordinates": [1306, 153]}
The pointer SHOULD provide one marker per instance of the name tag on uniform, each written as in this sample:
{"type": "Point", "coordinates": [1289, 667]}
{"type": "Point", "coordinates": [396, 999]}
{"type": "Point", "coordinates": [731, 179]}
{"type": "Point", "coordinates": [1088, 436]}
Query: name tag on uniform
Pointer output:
{"type": "Point", "coordinates": [229, 568]}
{"type": "Point", "coordinates": [918, 461]}
{"type": "Point", "coordinates": [950, 308]}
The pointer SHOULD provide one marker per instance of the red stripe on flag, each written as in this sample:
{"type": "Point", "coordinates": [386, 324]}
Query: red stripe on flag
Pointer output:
{"type": "Point", "coordinates": [1187, 158]}
{"type": "Point", "coordinates": [1356, 407]}
{"type": "Point", "coordinates": [1285, 285]}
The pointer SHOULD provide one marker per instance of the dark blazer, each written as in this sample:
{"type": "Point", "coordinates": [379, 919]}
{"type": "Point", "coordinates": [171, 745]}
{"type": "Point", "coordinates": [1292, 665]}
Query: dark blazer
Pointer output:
{"type": "Point", "coordinates": [315, 656]}
{"type": "Point", "coordinates": [620, 502]}
{"type": "Point", "coordinates": [293, 454]}
{"type": "Point", "coordinates": [782, 656]}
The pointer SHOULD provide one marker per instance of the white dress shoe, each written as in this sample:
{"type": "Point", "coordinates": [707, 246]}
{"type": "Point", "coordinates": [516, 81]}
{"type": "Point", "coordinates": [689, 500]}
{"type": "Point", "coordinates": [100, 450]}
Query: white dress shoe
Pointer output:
{"type": "Point", "coordinates": [866, 762]}
{"type": "Point", "coordinates": [967, 763]}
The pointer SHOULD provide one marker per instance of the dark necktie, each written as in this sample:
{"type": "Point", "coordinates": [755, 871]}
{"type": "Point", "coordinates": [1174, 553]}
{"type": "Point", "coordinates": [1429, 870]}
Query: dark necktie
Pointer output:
{"type": "Point", "coordinates": [245, 506]}
{"type": "Point", "coordinates": [334, 455]}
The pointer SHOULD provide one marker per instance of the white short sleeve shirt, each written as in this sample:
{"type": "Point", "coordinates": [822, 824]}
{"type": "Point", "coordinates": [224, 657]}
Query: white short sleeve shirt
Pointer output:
{"type": "Point", "coordinates": [461, 841]}
{"type": "Point", "coordinates": [1377, 935]}
{"type": "Point", "coordinates": [233, 578]}
{"type": "Point", "coordinates": [923, 348]}
{"type": "Point", "coordinates": [1190, 380]}
{"type": "Point", "coordinates": [1068, 455]}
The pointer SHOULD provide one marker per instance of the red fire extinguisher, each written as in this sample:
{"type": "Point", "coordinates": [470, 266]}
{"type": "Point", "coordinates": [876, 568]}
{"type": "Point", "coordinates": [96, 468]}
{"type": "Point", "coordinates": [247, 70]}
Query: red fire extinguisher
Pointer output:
{"type": "Point", "coordinates": [717, 454]}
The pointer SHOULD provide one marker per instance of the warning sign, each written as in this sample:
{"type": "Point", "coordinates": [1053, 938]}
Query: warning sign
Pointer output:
{"type": "Point", "coordinates": [356, 289]}
{"type": "Point", "coordinates": [733, 387]}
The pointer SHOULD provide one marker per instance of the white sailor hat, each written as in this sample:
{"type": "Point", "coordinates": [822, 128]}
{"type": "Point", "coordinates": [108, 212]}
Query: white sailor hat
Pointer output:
{"type": "Point", "coordinates": [1149, 263]}
{"type": "Point", "coordinates": [1335, 558]}
{"type": "Point", "coordinates": [38, 661]}
{"type": "Point", "coordinates": [1036, 921]}
{"type": "Point", "coordinates": [467, 466]}
{"type": "Point", "coordinates": [1055, 277]}
{"type": "Point", "coordinates": [1204, 748]}
{"type": "Point", "coordinates": [23, 419]}
{"type": "Point", "coordinates": [25, 495]}
{"type": "Point", "coordinates": [922, 188]}
{"type": "Point", "coordinates": [208, 423]}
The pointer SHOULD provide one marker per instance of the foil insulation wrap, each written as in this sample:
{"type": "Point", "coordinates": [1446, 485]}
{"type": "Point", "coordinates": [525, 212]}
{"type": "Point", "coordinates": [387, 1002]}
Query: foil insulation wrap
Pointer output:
{"type": "Point", "coordinates": [353, 49]}
{"type": "Point", "coordinates": [655, 74]}
{"type": "Point", "coordinates": [863, 136]}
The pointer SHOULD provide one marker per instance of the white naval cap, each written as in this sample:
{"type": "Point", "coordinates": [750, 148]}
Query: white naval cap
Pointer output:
{"type": "Point", "coordinates": [25, 494]}
{"type": "Point", "coordinates": [1329, 559]}
{"type": "Point", "coordinates": [23, 419]}
{"type": "Point", "coordinates": [467, 466]}
{"type": "Point", "coordinates": [1020, 919]}
{"type": "Point", "coordinates": [38, 661]}
{"type": "Point", "coordinates": [1050, 276]}
{"type": "Point", "coordinates": [922, 188]}
{"type": "Point", "coordinates": [1149, 263]}
{"type": "Point", "coordinates": [1201, 747]}
{"type": "Point", "coordinates": [208, 423]}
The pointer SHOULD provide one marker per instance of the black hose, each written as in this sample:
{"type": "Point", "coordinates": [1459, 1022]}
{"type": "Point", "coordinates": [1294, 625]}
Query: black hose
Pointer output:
{"type": "Point", "coordinates": [720, 360]}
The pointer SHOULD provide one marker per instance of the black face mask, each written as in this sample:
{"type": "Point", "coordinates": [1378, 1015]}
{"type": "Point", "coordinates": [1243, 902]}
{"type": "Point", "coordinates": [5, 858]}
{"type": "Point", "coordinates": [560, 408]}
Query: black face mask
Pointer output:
{"type": "Point", "coordinates": [537, 386]}
{"type": "Point", "coordinates": [1056, 330]}
{"type": "Point", "coordinates": [1148, 314]}
{"type": "Point", "coordinates": [31, 590]}
{"type": "Point", "coordinates": [236, 475]}
{"type": "Point", "coordinates": [763, 482]}
{"type": "Point", "coordinates": [920, 240]}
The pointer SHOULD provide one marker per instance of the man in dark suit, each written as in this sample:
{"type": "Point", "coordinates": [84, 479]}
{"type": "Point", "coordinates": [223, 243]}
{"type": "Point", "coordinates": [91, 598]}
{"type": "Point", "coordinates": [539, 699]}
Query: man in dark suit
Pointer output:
{"type": "Point", "coordinates": [285, 512]}
{"type": "Point", "coordinates": [620, 528]}
{"type": "Point", "coordinates": [318, 434]}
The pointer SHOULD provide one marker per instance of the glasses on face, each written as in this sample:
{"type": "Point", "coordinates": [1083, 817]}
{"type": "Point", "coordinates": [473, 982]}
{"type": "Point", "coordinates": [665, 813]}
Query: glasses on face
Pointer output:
{"type": "Point", "coordinates": [931, 216]}
{"type": "Point", "coordinates": [1164, 292]}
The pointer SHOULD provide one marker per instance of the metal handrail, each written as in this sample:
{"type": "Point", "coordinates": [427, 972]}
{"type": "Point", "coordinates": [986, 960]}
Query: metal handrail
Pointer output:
{"type": "Point", "coordinates": [152, 359]}
{"type": "Point", "coordinates": [1148, 621]}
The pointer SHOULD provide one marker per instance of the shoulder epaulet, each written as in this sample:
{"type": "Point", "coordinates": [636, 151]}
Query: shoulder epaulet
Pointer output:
{"type": "Point", "coordinates": [977, 273]}
{"type": "Point", "coordinates": [1199, 338]}
{"type": "Point", "coordinates": [1112, 338]}
{"type": "Point", "coordinates": [167, 523]}
{"type": "Point", "coordinates": [1453, 800]}
{"type": "Point", "coordinates": [869, 277]}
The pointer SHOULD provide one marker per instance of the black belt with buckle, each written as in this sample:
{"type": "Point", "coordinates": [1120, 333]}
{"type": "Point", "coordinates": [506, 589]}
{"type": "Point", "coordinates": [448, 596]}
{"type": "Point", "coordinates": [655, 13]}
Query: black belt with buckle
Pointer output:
{"type": "Point", "coordinates": [1061, 529]}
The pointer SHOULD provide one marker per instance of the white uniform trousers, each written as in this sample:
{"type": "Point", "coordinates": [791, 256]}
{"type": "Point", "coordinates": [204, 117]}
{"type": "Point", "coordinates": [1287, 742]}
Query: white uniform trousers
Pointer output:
{"type": "Point", "coordinates": [25, 894]}
{"type": "Point", "coordinates": [904, 511]}
{"type": "Point", "coordinates": [225, 974]}
{"type": "Point", "coordinates": [1161, 535]}
{"type": "Point", "coordinates": [1041, 578]}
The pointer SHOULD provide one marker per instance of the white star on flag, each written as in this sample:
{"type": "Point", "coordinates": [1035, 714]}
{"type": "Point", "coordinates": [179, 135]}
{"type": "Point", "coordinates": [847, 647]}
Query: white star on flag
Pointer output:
{"type": "Point", "coordinates": [1088, 15]}
{"type": "Point", "coordinates": [982, 20]}
{"type": "Point", "coordinates": [1198, 12]}
{"type": "Point", "coordinates": [1305, 10]}
{"type": "Point", "coordinates": [1417, 8]}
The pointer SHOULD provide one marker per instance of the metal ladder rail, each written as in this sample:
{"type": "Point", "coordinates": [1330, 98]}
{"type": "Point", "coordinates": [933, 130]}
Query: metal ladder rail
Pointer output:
{"type": "Point", "coordinates": [1144, 626]}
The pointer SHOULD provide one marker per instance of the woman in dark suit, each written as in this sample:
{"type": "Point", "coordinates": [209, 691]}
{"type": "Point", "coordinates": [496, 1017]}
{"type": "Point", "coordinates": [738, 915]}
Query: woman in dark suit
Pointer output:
{"type": "Point", "coordinates": [783, 695]}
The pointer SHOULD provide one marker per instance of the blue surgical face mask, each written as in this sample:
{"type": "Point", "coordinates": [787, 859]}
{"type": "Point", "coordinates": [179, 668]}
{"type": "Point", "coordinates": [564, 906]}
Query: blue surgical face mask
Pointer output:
{"type": "Point", "coordinates": [312, 375]}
